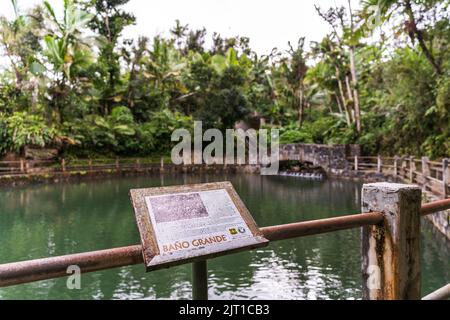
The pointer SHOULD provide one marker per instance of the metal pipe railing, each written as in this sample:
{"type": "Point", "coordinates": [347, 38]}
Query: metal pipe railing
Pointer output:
{"type": "Point", "coordinates": [440, 294]}
{"type": "Point", "coordinates": [435, 206]}
{"type": "Point", "coordinates": [54, 267]}
{"type": "Point", "coordinates": [48, 268]}
{"type": "Point", "coordinates": [307, 228]}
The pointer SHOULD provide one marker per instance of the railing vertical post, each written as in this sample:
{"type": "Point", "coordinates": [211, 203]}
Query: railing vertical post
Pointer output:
{"type": "Point", "coordinates": [90, 164]}
{"type": "Point", "coordinates": [22, 166]}
{"type": "Point", "coordinates": [404, 165]}
{"type": "Point", "coordinates": [412, 168]}
{"type": "Point", "coordinates": [200, 280]}
{"type": "Point", "coordinates": [117, 164]}
{"type": "Point", "coordinates": [395, 166]}
{"type": "Point", "coordinates": [391, 250]}
{"type": "Point", "coordinates": [162, 163]}
{"type": "Point", "coordinates": [63, 165]}
{"type": "Point", "coordinates": [425, 171]}
{"type": "Point", "coordinates": [445, 176]}
{"type": "Point", "coordinates": [356, 163]}
{"type": "Point", "coordinates": [379, 164]}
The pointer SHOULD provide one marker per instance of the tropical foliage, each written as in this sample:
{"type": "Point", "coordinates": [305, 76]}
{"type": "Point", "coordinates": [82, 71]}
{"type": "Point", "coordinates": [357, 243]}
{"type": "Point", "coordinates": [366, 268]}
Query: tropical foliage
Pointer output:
{"type": "Point", "coordinates": [380, 78]}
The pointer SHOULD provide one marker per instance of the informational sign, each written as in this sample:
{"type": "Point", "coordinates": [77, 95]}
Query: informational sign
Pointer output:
{"type": "Point", "coordinates": [180, 224]}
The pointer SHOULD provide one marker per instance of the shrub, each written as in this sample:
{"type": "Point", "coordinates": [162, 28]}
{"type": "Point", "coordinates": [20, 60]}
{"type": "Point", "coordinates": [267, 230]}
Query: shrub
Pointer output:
{"type": "Point", "coordinates": [155, 135]}
{"type": "Point", "coordinates": [22, 129]}
{"type": "Point", "coordinates": [294, 134]}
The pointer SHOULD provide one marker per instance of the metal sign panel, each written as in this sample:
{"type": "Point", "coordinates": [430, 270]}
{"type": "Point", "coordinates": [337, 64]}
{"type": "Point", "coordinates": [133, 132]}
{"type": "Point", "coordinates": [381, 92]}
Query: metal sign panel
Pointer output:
{"type": "Point", "coordinates": [186, 223]}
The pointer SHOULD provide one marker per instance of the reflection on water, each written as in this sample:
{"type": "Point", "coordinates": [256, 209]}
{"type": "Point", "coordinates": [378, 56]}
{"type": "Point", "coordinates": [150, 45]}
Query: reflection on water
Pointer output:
{"type": "Point", "coordinates": [52, 220]}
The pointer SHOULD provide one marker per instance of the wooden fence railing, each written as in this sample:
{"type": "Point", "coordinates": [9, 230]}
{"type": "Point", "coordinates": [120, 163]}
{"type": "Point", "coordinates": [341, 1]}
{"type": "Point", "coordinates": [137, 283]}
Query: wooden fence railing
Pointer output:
{"type": "Point", "coordinates": [63, 165]}
{"type": "Point", "coordinates": [432, 176]}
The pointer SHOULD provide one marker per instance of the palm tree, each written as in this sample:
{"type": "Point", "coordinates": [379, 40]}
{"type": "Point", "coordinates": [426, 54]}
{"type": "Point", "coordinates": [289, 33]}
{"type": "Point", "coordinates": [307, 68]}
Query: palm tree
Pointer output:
{"type": "Point", "coordinates": [388, 9]}
{"type": "Point", "coordinates": [179, 32]}
{"type": "Point", "coordinates": [293, 77]}
{"type": "Point", "coordinates": [20, 41]}
{"type": "Point", "coordinates": [342, 42]}
{"type": "Point", "coordinates": [65, 48]}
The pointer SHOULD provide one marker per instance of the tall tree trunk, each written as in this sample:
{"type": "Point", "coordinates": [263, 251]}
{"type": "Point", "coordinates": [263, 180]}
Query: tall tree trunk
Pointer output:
{"type": "Point", "coordinates": [350, 97]}
{"type": "Point", "coordinates": [301, 107]}
{"type": "Point", "coordinates": [348, 113]}
{"type": "Point", "coordinates": [341, 109]}
{"type": "Point", "coordinates": [130, 89]}
{"type": "Point", "coordinates": [355, 91]}
{"type": "Point", "coordinates": [416, 33]}
{"type": "Point", "coordinates": [339, 103]}
{"type": "Point", "coordinates": [356, 105]}
{"type": "Point", "coordinates": [34, 82]}
{"type": "Point", "coordinates": [19, 78]}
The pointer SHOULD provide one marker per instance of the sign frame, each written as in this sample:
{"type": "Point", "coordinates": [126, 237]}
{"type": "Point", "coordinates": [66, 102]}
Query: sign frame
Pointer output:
{"type": "Point", "coordinates": [150, 248]}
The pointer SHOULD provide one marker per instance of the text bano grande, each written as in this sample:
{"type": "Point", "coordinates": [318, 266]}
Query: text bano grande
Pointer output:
{"type": "Point", "coordinates": [181, 245]}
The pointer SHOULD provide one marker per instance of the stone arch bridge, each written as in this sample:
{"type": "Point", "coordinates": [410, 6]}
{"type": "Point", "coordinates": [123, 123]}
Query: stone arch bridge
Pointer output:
{"type": "Point", "coordinates": [332, 158]}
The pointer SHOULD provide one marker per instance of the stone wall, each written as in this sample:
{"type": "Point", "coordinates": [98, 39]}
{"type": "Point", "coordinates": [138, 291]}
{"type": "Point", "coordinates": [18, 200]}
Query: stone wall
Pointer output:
{"type": "Point", "coordinates": [441, 219]}
{"type": "Point", "coordinates": [332, 158]}
{"type": "Point", "coordinates": [41, 153]}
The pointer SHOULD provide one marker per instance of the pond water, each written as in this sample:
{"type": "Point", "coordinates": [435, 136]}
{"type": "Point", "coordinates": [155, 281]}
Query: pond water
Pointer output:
{"type": "Point", "coordinates": [51, 220]}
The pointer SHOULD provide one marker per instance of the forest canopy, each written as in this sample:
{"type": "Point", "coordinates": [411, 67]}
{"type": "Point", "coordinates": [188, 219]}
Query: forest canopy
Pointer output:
{"type": "Point", "coordinates": [380, 78]}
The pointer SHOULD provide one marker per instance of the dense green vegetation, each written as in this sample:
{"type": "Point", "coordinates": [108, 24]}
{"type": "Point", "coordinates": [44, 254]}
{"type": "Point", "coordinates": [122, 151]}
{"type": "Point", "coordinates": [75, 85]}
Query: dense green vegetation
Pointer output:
{"type": "Point", "coordinates": [381, 78]}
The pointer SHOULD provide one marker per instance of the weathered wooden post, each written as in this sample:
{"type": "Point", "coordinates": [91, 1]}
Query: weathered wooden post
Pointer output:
{"type": "Point", "coordinates": [391, 250]}
{"type": "Point", "coordinates": [200, 280]}
{"type": "Point", "coordinates": [379, 164]}
{"type": "Point", "coordinates": [117, 164]}
{"type": "Point", "coordinates": [445, 176]}
{"type": "Point", "coordinates": [395, 166]}
{"type": "Point", "coordinates": [138, 163]}
{"type": "Point", "coordinates": [22, 166]}
{"type": "Point", "coordinates": [356, 163]}
{"type": "Point", "coordinates": [63, 165]}
{"type": "Point", "coordinates": [425, 171]}
{"type": "Point", "coordinates": [90, 164]}
{"type": "Point", "coordinates": [162, 163]}
{"type": "Point", "coordinates": [412, 168]}
{"type": "Point", "coordinates": [404, 165]}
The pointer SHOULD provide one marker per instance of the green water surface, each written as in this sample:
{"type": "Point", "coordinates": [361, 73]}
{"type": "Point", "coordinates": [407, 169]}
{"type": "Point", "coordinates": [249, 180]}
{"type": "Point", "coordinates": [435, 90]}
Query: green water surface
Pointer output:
{"type": "Point", "coordinates": [51, 220]}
